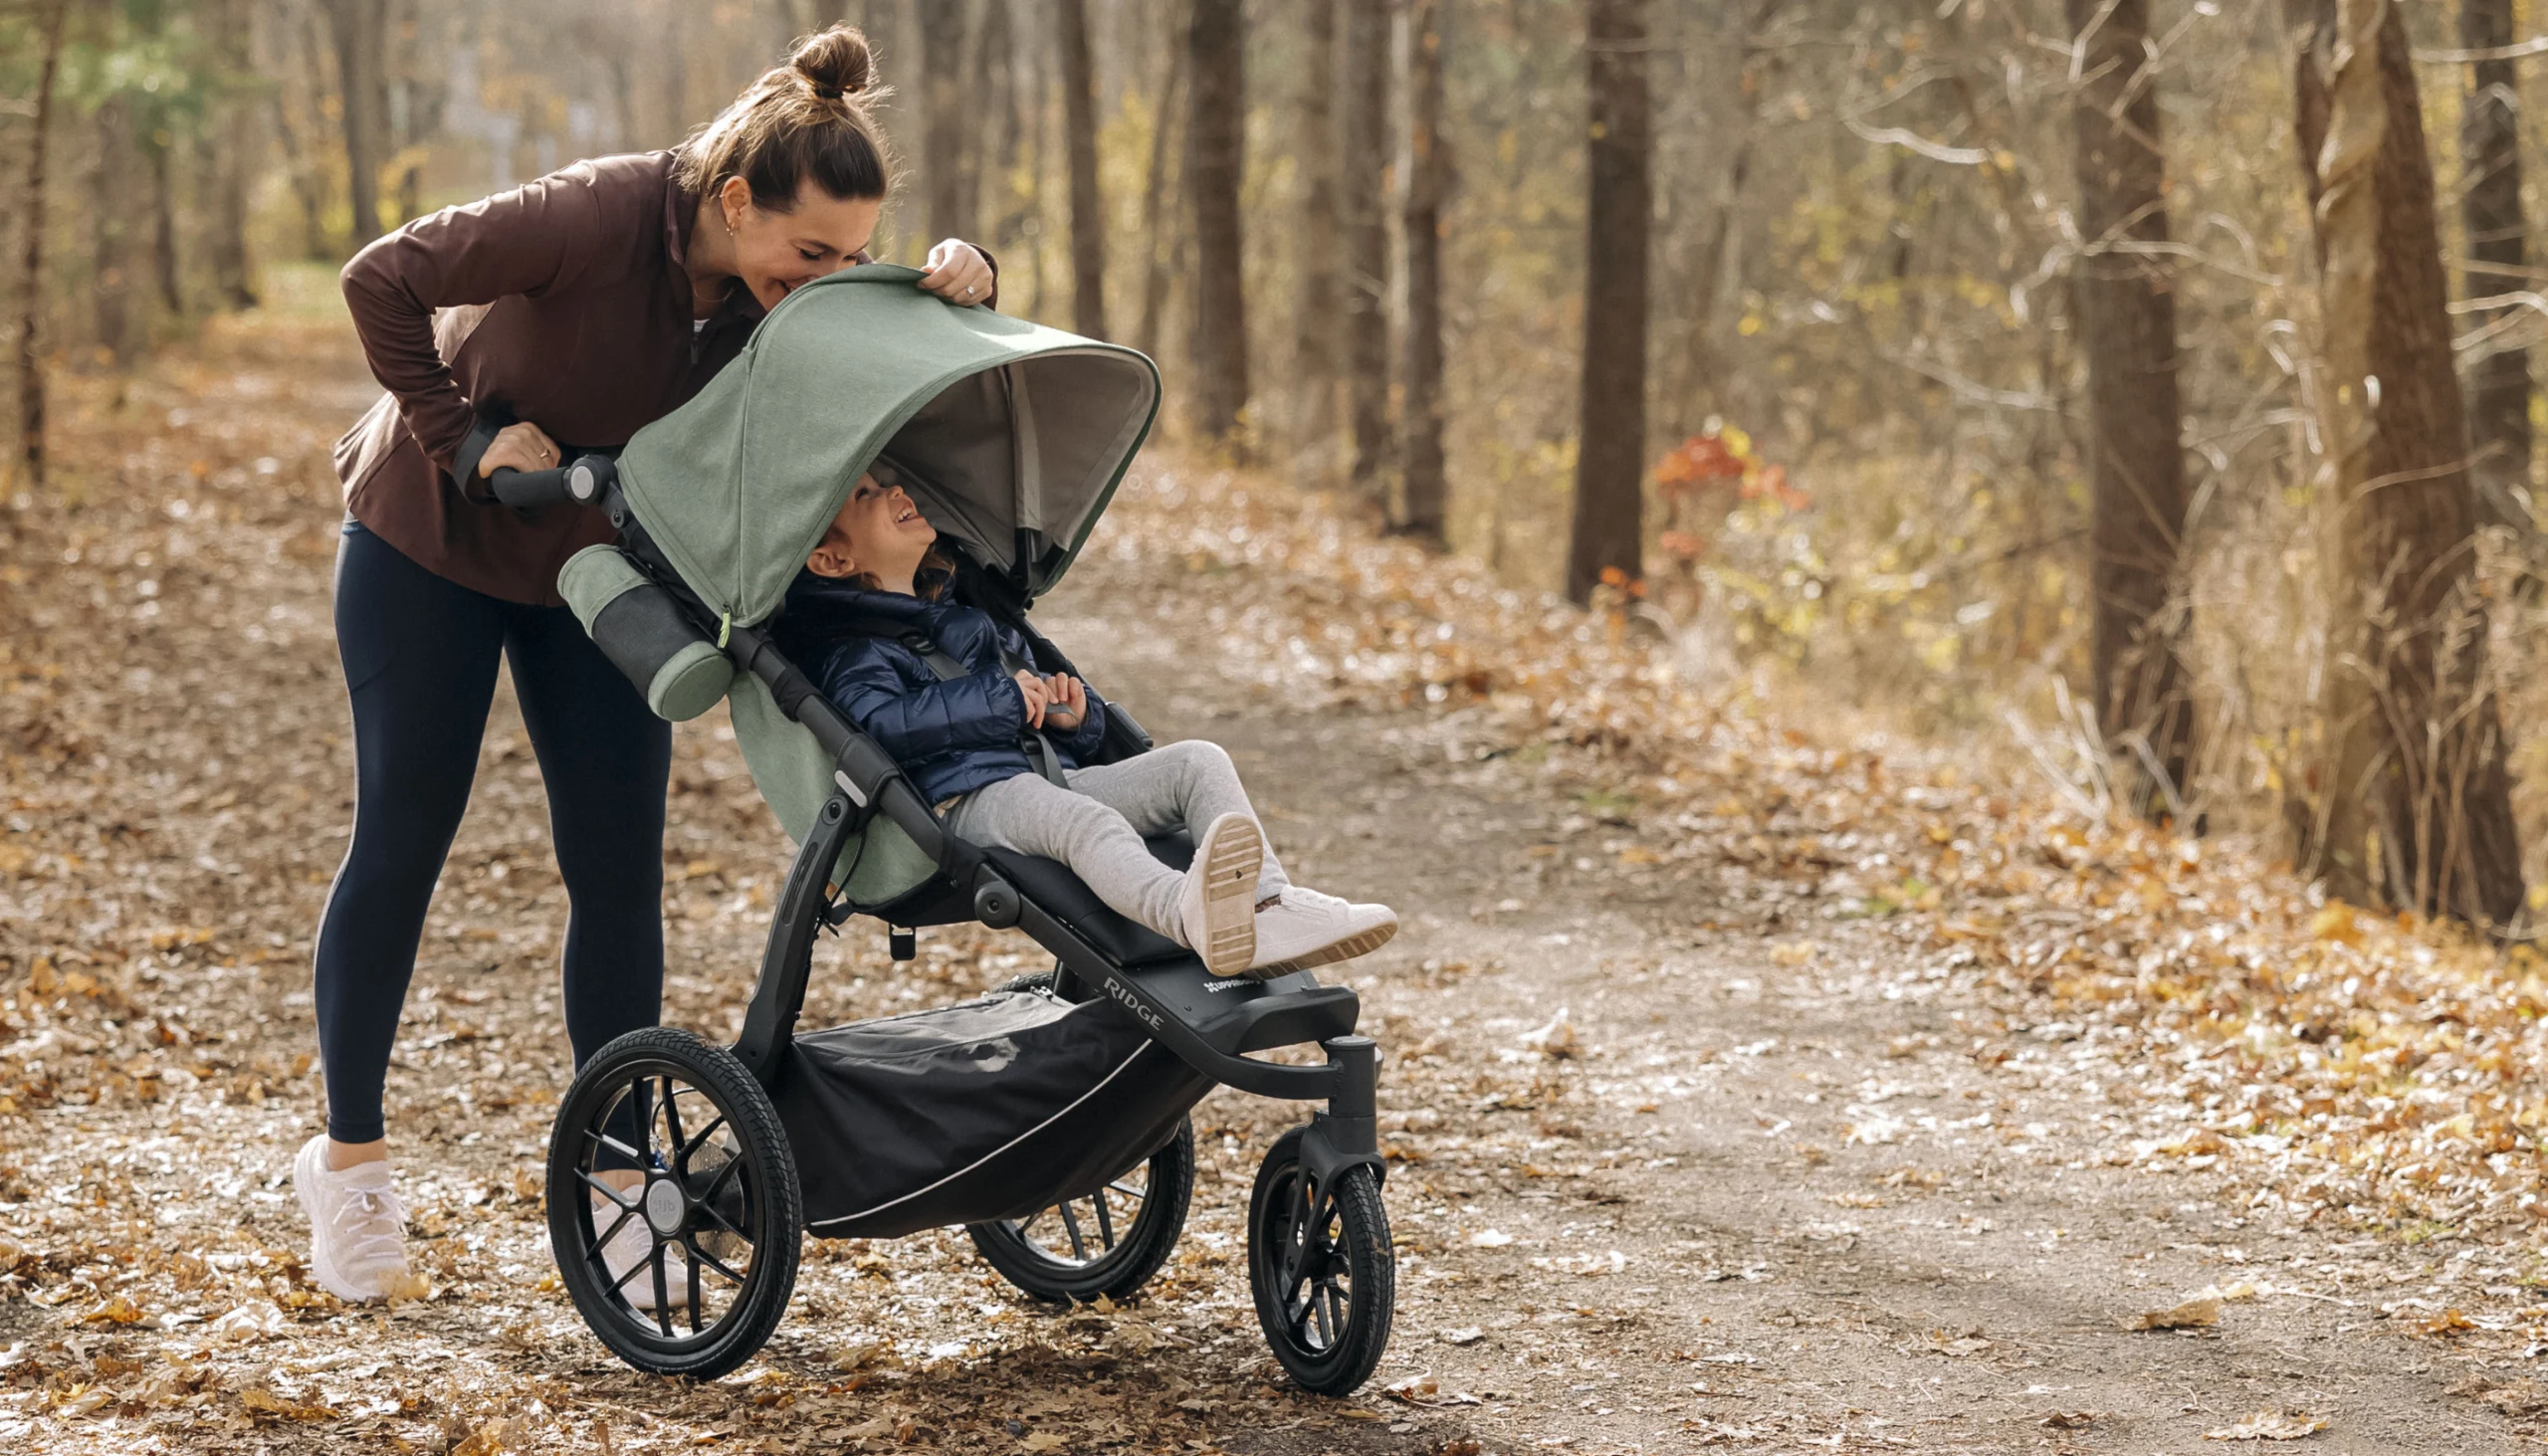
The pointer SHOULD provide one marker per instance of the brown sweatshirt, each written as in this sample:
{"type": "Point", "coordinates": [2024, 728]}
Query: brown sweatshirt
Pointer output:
{"type": "Point", "coordinates": [564, 302]}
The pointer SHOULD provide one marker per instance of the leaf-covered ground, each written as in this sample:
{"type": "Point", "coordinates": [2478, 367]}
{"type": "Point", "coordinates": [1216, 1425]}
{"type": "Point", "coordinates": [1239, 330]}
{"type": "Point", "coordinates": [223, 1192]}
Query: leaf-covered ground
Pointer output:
{"type": "Point", "coordinates": [1748, 1086]}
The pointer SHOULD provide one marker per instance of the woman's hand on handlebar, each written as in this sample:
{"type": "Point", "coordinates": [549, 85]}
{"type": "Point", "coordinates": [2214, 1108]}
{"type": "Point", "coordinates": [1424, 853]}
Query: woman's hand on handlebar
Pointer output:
{"type": "Point", "coordinates": [520, 447]}
{"type": "Point", "coordinates": [957, 273]}
{"type": "Point", "coordinates": [1038, 698]}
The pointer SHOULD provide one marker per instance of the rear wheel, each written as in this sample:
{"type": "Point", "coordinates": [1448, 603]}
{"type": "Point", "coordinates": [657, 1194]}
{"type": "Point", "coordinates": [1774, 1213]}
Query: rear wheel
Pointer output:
{"type": "Point", "coordinates": [1320, 1267]}
{"type": "Point", "coordinates": [673, 1205]}
{"type": "Point", "coordinates": [1109, 1243]}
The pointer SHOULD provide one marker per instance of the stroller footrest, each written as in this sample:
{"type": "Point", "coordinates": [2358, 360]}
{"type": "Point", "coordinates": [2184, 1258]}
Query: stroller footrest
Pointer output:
{"type": "Point", "coordinates": [1233, 1014]}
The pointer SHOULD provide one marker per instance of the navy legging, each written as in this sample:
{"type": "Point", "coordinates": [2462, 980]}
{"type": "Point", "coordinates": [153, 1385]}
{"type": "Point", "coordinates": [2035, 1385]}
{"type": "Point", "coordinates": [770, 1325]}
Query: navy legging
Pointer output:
{"type": "Point", "coordinates": [419, 655]}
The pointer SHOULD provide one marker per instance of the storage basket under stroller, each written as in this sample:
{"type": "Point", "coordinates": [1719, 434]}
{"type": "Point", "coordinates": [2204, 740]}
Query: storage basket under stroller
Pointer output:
{"type": "Point", "coordinates": [1049, 1118]}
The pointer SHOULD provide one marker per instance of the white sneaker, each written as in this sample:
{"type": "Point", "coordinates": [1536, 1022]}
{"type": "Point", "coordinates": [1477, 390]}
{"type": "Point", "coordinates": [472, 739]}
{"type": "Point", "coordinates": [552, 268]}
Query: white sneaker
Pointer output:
{"type": "Point", "coordinates": [357, 1226]}
{"type": "Point", "coordinates": [1304, 928]}
{"type": "Point", "coordinates": [632, 1247]}
{"type": "Point", "coordinates": [1220, 905]}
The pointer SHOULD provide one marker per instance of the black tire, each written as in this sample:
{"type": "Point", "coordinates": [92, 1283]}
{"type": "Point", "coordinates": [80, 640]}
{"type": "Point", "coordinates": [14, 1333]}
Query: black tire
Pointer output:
{"type": "Point", "coordinates": [1109, 1243]}
{"type": "Point", "coordinates": [1320, 1264]}
{"type": "Point", "coordinates": [716, 1168]}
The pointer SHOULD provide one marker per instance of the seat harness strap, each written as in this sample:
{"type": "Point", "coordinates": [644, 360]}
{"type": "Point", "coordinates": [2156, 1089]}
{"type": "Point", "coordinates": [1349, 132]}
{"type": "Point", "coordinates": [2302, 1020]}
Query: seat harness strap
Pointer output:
{"type": "Point", "coordinates": [1040, 749]}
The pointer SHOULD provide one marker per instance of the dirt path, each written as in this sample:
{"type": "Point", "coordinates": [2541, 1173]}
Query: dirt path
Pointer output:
{"type": "Point", "coordinates": [1679, 1161]}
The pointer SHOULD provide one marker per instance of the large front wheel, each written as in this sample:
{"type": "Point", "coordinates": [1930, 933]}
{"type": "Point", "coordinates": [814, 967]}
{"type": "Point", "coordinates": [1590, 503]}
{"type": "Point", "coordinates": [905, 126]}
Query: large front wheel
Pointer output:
{"type": "Point", "coordinates": [674, 1208]}
{"type": "Point", "coordinates": [1320, 1267]}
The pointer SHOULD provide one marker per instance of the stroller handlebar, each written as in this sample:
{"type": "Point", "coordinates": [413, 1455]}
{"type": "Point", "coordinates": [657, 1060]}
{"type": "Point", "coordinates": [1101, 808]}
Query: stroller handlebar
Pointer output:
{"type": "Point", "coordinates": [580, 480]}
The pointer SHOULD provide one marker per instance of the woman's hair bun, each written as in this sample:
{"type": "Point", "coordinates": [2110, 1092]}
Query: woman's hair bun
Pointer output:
{"type": "Point", "coordinates": [835, 62]}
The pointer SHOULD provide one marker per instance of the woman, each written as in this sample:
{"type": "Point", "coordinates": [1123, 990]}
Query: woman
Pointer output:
{"type": "Point", "coordinates": [580, 307]}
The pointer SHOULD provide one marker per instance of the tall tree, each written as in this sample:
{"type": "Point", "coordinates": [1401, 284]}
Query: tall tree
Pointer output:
{"type": "Point", "coordinates": [1361, 165]}
{"type": "Point", "coordinates": [1155, 249]}
{"type": "Point", "coordinates": [2126, 305]}
{"type": "Point", "coordinates": [946, 142]}
{"type": "Point", "coordinates": [232, 137]}
{"type": "Point", "coordinates": [31, 422]}
{"type": "Point", "coordinates": [1314, 323]}
{"type": "Point", "coordinates": [112, 217]}
{"type": "Point", "coordinates": [2490, 206]}
{"type": "Point", "coordinates": [2415, 804]}
{"type": "Point", "coordinates": [1609, 453]}
{"type": "Point", "coordinates": [1078, 133]}
{"type": "Point", "coordinates": [359, 29]}
{"type": "Point", "coordinates": [1425, 182]}
{"type": "Point", "coordinates": [1216, 150]}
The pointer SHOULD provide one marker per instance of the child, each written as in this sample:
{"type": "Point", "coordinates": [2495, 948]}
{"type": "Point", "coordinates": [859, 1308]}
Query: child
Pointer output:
{"type": "Point", "coordinates": [971, 745]}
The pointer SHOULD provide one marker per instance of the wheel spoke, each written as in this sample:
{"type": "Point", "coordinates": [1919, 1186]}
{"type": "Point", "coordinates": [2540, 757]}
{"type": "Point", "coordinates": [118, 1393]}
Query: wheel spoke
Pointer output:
{"type": "Point", "coordinates": [722, 1222]}
{"type": "Point", "coordinates": [1079, 1245]}
{"type": "Point", "coordinates": [1104, 1223]}
{"type": "Point", "coordinates": [624, 1205]}
{"type": "Point", "coordinates": [702, 1256]}
{"type": "Point", "coordinates": [696, 1142]}
{"type": "Point", "coordinates": [663, 1291]}
{"type": "Point", "coordinates": [643, 1118]}
{"type": "Point", "coordinates": [1128, 1191]}
{"type": "Point", "coordinates": [691, 1268]}
{"type": "Point", "coordinates": [615, 1146]}
{"type": "Point", "coordinates": [717, 1184]}
{"type": "Point", "coordinates": [672, 1114]}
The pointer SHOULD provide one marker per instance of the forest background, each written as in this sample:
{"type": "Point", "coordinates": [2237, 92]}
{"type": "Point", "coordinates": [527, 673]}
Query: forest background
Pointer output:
{"type": "Point", "coordinates": [2139, 390]}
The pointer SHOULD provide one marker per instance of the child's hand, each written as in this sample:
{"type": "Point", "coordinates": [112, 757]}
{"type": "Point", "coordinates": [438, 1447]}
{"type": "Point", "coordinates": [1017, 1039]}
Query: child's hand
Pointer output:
{"type": "Point", "coordinates": [1038, 697]}
{"type": "Point", "coordinates": [1069, 701]}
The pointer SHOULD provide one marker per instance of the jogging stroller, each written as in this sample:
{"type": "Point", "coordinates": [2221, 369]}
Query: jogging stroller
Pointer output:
{"type": "Point", "coordinates": [1048, 1118]}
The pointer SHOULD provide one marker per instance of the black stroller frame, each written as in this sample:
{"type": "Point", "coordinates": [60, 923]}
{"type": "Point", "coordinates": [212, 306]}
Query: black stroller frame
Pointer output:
{"type": "Point", "coordinates": [1320, 1261]}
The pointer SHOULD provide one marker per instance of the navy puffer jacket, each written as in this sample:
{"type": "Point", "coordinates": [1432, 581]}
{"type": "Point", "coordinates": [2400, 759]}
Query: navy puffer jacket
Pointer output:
{"type": "Point", "coordinates": [950, 737]}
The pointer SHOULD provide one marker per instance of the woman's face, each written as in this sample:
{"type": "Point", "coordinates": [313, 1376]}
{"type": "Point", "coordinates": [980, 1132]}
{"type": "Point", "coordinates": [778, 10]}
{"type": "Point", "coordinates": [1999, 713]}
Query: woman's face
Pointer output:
{"type": "Point", "coordinates": [878, 531]}
{"type": "Point", "coordinates": [777, 253]}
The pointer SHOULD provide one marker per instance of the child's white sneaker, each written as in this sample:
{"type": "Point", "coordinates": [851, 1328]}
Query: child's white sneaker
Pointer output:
{"type": "Point", "coordinates": [1304, 928]}
{"type": "Point", "coordinates": [1218, 908]}
{"type": "Point", "coordinates": [633, 1246]}
{"type": "Point", "coordinates": [357, 1226]}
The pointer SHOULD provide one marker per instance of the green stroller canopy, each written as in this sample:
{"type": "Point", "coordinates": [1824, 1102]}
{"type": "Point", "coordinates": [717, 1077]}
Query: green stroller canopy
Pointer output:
{"type": "Point", "coordinates": [997, 427]}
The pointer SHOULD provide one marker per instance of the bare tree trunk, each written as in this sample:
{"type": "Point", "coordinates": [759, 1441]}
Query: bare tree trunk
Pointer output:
{"type": "Point", "coordinates": [234, 140]}
{"type": "Point", "coordinates": [1078, 131]}
{"type": "Point", "coordinates": [2415, 804]}
{"type": "Point", "coordinates": [2490, 157]}
{"type": "Point", "coordinates": [31, 454]}
{"type": "Point", "coordinates": [1426, 183]}
{"type": "Point", "coordinates": [1361, 163]}
{"type": "Point", "coordinates": [945, 44]}
{"type": "Point", "coordinates": [1216, 148]}
{"type": "Point", "coordinates": [1609, 537]}
{"type": "Point", "coordinates": [358, 28]}
{"type": "Point", "coordinates": [1314, 323]}
{"type": "Point", "coordinates": [111, 215]}
{"type": "Point", "coordinates": [2127, 314]}
{"type": "Point", "coordinates": [1154, 208]}
{"type": "Point", "coordinates": [163, 227]}
{"type": "Point", "coordinates": [990, 93]}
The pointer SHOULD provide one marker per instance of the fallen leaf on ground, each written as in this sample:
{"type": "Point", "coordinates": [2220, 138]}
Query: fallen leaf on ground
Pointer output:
{"type": "Point", "coordinates": [255, 1319]}
{"type": "Point", "coordinates": [2270, 1426]}
{"type": "Point", "coordinates": [2194, 1314]}
{"type": "Point", "coordinates": [1489, 1238]}
{"type": "Point", "coordinates": [1466, 1334]}
{"type": "Point", "coordinates": [2070, 1420]}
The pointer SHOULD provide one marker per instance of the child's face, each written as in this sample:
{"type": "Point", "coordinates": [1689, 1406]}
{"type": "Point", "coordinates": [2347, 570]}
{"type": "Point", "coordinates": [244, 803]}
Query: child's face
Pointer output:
{"type": "Point", "coordinates": [878, 531]}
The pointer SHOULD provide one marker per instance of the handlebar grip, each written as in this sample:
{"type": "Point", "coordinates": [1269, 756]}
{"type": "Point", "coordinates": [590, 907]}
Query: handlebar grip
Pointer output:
{"type": "Point", "coordinates": [581, 480]}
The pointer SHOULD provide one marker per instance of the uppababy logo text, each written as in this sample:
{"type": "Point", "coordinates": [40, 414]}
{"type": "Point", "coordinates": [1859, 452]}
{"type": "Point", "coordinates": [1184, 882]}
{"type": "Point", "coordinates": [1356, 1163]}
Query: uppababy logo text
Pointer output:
{"type": "Point", "coordinates": [1116, 989]}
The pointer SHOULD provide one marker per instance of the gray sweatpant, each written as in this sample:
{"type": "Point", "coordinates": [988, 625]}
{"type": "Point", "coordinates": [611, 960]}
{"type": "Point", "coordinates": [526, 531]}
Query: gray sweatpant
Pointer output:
{"type": "Point", "coordinates": [1096, 825]}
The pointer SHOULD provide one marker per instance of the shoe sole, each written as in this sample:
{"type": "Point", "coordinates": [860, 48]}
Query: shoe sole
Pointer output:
{"type": "Point", "coordinates": [1232, 855]}
{"type": "Point", "coordinates": [1332, 953]}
